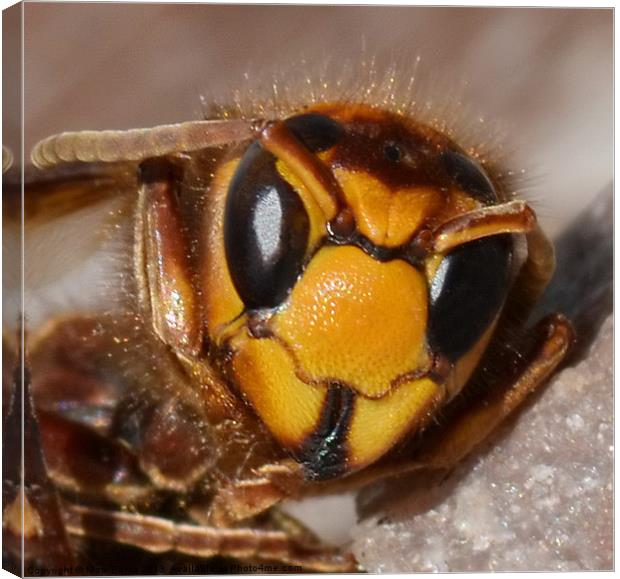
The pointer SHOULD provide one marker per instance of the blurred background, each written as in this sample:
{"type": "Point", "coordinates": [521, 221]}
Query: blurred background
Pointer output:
{"type": "Point", "coordinates": [544, 74]}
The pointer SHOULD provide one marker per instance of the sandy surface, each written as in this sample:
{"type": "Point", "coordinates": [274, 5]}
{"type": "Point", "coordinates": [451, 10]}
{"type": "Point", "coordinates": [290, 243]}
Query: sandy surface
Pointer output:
{"type": "Point", "coordinates": [539, 498]}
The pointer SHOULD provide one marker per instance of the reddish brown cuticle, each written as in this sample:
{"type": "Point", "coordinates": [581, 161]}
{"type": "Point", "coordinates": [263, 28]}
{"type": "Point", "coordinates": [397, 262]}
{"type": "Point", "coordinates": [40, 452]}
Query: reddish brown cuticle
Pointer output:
{"type": "Point", "coordinates": [421, 244]}
{"type": "Point", "coordinates": [343, 225]}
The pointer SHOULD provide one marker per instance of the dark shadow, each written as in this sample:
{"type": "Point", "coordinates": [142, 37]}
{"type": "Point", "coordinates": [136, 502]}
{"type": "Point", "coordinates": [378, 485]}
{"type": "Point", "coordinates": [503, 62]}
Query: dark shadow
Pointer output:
{"type": "Point", "coordinates": [582, 287]}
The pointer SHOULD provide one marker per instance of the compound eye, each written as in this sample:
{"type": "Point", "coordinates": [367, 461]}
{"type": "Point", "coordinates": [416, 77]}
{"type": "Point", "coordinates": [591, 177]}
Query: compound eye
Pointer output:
{"type": "Point", "coordinates": [467, 293]}
{"type": "Point", "coordinates": [470, 177]}
{"type": "Point", "coordinates": [317, 132]}
{"type": "Point", "coordinates": [266, 231]}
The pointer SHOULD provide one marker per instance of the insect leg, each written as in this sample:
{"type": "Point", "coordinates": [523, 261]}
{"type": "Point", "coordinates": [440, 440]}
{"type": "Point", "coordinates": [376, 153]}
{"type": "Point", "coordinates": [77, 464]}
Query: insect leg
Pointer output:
{"type": "Point", "coordinates": [162, 263]}
{"type": "Point", "coordinates": [160, 536]}
{"type": "Point", "coordinates": [251, 496]}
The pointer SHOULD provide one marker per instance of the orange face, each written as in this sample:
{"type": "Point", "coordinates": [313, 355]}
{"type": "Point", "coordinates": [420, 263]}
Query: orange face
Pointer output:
{"type": "Point", "coordinates": [344, 328]}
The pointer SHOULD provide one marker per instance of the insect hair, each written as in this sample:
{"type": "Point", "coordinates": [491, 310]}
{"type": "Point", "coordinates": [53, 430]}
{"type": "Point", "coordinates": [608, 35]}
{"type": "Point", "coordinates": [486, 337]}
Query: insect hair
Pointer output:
{"type": "Point", "coordinates": [402, 86]}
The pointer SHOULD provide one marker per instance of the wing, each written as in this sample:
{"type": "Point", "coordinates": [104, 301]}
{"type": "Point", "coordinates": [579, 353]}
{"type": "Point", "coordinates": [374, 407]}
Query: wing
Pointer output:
{"type": "Point", "coordinates": [76, 218]}
{"type": "Point", "coordinates": [64, 189]}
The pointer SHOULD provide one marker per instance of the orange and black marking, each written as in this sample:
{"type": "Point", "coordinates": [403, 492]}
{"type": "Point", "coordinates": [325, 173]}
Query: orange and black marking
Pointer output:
{"type": "Point", "coordinates": [324, 452]}
{"type": "Point", "coordinates": [326, 283]}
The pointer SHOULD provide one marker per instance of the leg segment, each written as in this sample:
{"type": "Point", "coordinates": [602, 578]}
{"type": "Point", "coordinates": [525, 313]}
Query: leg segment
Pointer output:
{"type": "Point", "coordinates": [249, 497]}
{"type": "Point", "coordinates": [161, 260]}
{"type": "Point", "coordinates": [158, 535]}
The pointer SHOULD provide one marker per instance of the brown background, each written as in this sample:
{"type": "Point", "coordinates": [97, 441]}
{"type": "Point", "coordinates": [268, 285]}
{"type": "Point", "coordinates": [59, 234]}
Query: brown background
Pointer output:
{"type": "Point", "coordinates": [544, 74]}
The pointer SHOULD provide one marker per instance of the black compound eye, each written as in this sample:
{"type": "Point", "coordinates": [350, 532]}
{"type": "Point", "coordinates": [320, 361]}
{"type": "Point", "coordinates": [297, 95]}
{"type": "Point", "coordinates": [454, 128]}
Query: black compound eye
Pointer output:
{"type": "Point", "coordinates": [470, 177]}
{"type": "Point", "coordinates": [317, 132]}
{"type": "Point", "coordinates": [266, 231]}
{"type": "Point", "coordinates": [466, 294]}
